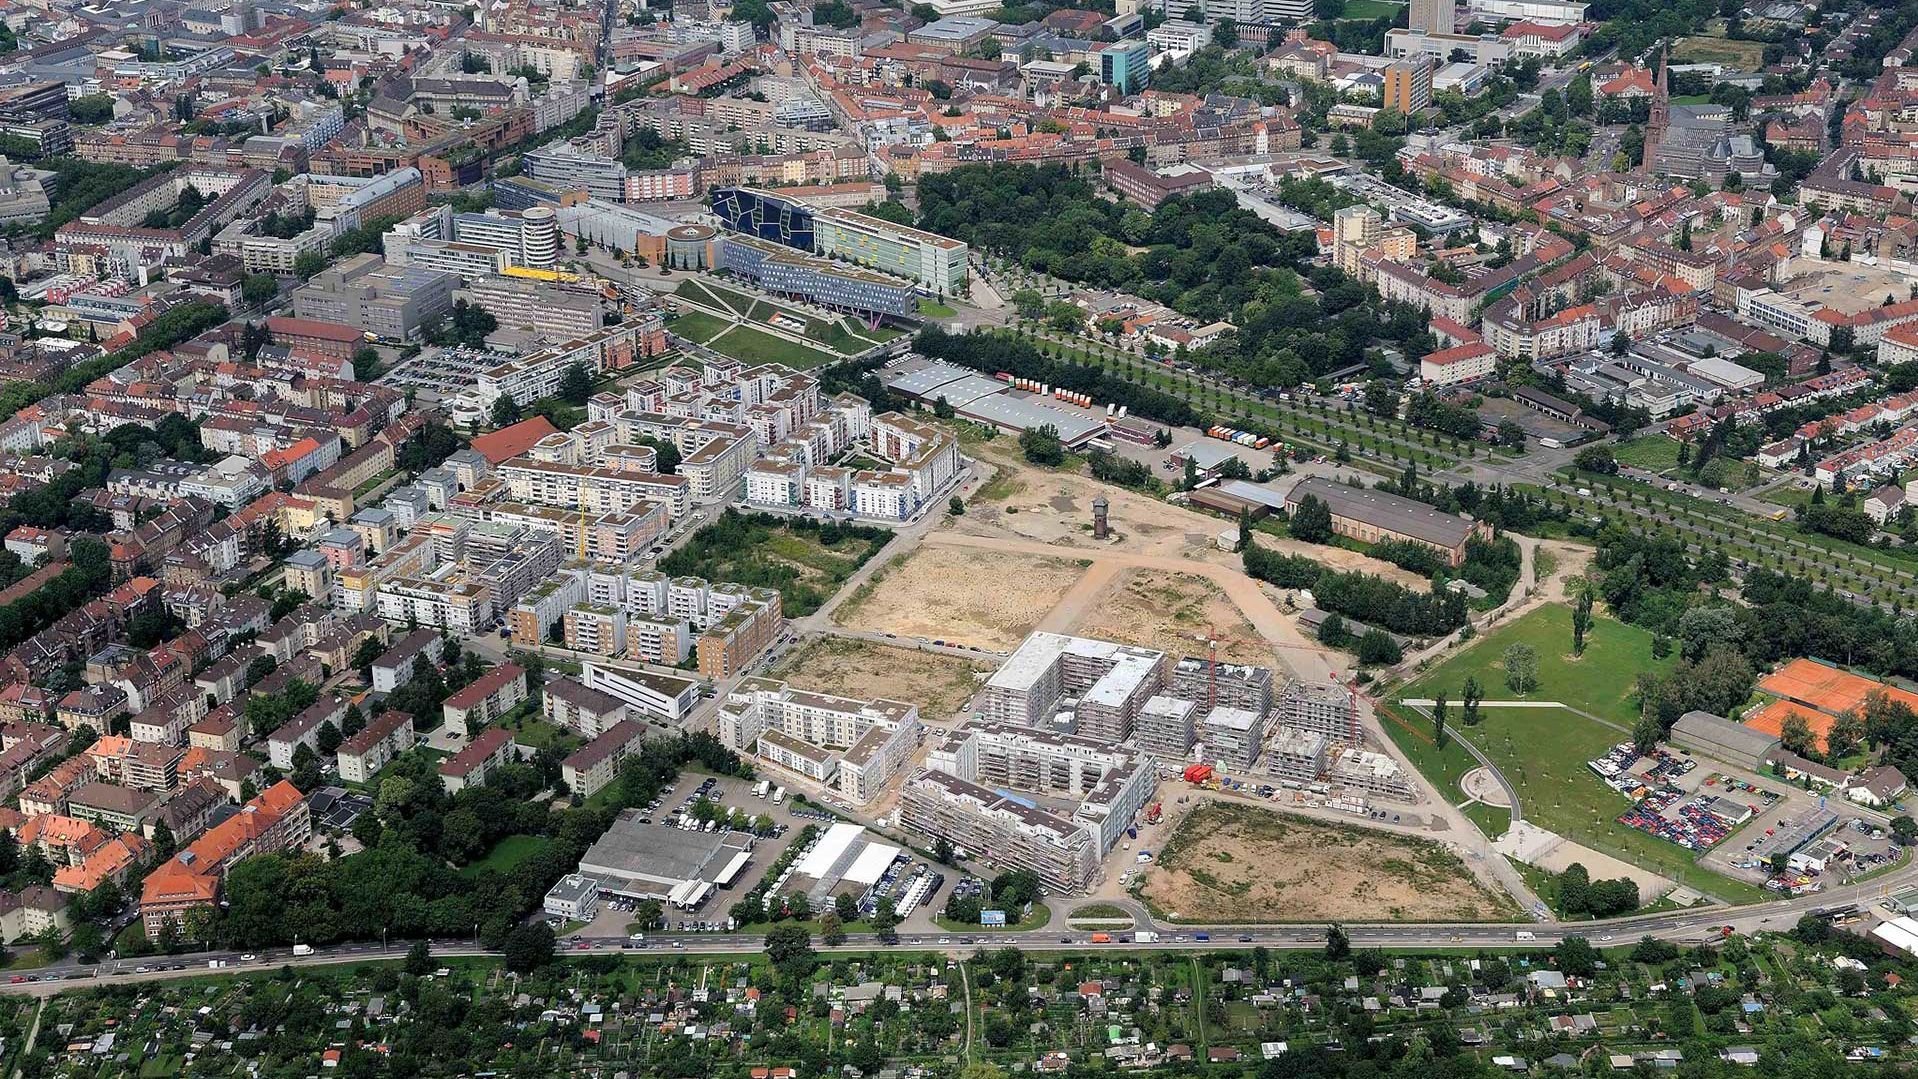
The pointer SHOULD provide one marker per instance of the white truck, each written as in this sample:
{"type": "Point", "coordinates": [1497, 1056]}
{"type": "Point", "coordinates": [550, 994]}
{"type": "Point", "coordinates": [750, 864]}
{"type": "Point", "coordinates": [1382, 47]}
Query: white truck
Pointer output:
{"type": "Point", "coordinates": [1146, 936]}
{"type": "Point", "coordinates": [302, 949]}
{"type": "Point", "coordinates": [1526, 934]}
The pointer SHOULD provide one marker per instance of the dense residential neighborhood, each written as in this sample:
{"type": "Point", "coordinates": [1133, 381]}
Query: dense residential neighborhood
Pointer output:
{"type": "Point", "coordinates": [793, 537]}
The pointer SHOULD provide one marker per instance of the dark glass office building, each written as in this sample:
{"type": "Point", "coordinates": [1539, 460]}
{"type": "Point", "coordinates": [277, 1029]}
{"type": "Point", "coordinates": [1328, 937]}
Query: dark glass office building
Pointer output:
{"type": "Point", "coordinates": [787, 222]}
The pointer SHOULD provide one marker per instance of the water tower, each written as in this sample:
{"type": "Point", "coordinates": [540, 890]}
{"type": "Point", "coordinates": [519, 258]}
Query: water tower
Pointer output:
{"type": "Point", "coordinates": [1100, 527]}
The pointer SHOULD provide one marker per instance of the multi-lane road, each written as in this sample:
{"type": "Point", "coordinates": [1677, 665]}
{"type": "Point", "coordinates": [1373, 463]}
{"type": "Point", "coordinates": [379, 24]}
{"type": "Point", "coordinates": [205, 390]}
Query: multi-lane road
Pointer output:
{"type": "Point", "coordinates": [1690, 926]}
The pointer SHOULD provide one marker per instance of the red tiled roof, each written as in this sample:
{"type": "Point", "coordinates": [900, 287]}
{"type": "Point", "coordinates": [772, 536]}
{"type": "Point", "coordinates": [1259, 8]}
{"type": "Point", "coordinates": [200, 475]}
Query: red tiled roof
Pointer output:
{"type": "Point", "coordinates": [510, 442]}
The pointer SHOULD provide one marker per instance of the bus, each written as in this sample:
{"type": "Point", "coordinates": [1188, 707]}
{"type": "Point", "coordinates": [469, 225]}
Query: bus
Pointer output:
{"type": "Point", "coordinates": [779, 795]}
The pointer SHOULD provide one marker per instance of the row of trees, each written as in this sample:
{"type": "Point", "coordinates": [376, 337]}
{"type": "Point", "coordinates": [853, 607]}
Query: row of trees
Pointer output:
{"type": "Point", "coordinates": [1361, 597]}
{"type": "Point", "coordinates": [992, 354]}
{"type": "Point", "coordinates": [405, 885]}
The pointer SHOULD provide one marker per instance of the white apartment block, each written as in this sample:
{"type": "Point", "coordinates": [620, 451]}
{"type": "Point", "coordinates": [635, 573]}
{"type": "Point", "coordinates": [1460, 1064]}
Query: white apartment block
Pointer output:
{"type": "Point", "coordinates": [1028, 687]}
{"type": "Point", "coordinates": [856, 746]}
{"type": "Point", "coordinates": [715, 469]}
{"type": "Point", "coordinates": [460, 607]}
{"type": "Point", "coordinates": [586, 489]}
{"type": "Point", "coordinates": [1112, 783]}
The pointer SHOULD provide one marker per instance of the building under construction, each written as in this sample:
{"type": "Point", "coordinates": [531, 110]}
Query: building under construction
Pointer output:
{"type": "Point", "coordinates": [1234, 685]}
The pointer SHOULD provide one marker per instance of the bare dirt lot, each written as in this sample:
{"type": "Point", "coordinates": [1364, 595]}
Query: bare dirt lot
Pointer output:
{"type": "Point", "coordinates": [1245, 864]}
{"type": "Point", "coordinates": [988, 599]}
{"type": "Point", "coordinates": [1175, 613]}
{"type": "Point", "coordinates": [939, 685]}
{"type": "Point", "coordinates": [1055, 506]}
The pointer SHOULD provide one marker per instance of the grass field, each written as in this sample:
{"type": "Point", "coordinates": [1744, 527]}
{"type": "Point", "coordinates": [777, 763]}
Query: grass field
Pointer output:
{"type": "Point", "coordinates": [1370, 9]}
{"type": "Point", "coordinates": [1543, 751]}
{"type": "Point", "coordinates": [698, 326]}
{"type": "Point", "coordinates": [751, 346]}
{"type": "Point", "coordinates": [935, 309]}
{"type": "Point", "coordinates": [1654, 452]}
{"type": "Point", "coordinates": [506, 854]}
{"type": "Point", "coordinates": [1599, 682]}
{"type": "Point", "coordinates": [1743, 55]}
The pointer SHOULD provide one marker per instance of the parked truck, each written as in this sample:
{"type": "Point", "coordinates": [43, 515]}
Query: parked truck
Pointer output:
{"type": "Point", "coordinates": [1198, 773]}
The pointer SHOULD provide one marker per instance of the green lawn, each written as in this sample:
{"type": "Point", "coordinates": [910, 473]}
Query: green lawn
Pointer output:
{"type": "Point", "coordinates": [1370, 9]}
{"type": "Point", "coordinates": [1543, 751]}
{"type": "Point", "coordinates": [935, 309]}
{"type": "Point", "coordinates": [698, 326]}
{"type": "Point", "coordinates": [1041, 914]}
{"type": "Point", "coordinates": [751, 346]}
{"type": "Point", "coordinates": [506, 854]}
{"type": "Point", "coordinates": [713, 296]}
{"type": "Point", "coordinates": [1599, 682]}
{"type": "Point", "coordinates": [1654, 453]}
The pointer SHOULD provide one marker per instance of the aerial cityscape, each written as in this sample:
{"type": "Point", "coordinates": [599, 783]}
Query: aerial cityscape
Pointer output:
{"type": "Point", "coordinates": [776, 539]}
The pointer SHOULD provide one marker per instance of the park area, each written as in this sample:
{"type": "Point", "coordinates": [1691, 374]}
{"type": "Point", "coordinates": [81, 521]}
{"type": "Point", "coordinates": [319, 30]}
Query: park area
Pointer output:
{"type": "Point", "coordinates": [1544, 751]}
{"type": "Point", "coordinates": [1176, 614]}
{"type": "Point", "coordinates": [837, 333]}
{"type": "Point", "coordinates": [806, 561]}
{"type": "Point", "coordinates": [938, 685]}
{"type": "Point", "coordinates": [1241, 864]}
{"type": "Point", "coordinates": [987, 599]}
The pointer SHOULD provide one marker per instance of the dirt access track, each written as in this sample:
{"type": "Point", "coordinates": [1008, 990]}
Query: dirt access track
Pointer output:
{"type": "Point", "coordinates": [1240, 864]}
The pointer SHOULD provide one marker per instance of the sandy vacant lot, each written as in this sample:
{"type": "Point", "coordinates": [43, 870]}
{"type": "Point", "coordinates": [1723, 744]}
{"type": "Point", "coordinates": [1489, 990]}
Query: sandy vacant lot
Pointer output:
{"type": "Point", "coordinates": [1174, 613]}
{"type": "Point", "coordinates": [1056, 507]}
{"type": "Point", "coordinates": [984, 598]}
{"type": "Point", "coordinates": [939, 685]}
{"type": "Point", "coordinates": [1242, 864]}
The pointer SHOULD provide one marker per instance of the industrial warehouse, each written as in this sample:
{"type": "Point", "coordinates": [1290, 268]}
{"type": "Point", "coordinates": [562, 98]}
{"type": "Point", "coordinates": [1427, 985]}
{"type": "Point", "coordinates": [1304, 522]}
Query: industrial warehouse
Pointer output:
{"type": "Point", "coordinates": [655, 861]}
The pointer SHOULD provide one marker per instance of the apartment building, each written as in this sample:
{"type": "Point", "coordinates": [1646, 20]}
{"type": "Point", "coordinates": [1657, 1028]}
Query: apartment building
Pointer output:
{"type": "Point", "coordinates": [1232, 736]}
{"type": "Point", "coordinates": [735, 641]}
{"type": "Point", "coordinates": [362, 755]}
{"type": "Point", "coordinates": [462, 607]}
{"type": "Point", "coordinates": [487, 752]}
{"type": "Point", "coordinates": [116, 808]}
{"type": "Point", "coordinates": [1028, 687]}
{"type": "Point", "coordinates": [1297, 754]}
{"type": "Point", "coordinates": [1211, 683]}
{"type": "Point", "coordinates": [487, 698]}
{"type": "Point", "coordinates": [1111, 782]}
{"type": "Point", "coordinates": [303, 730]}
{"type": "Point", "coordinates": [598, 629]}
{"type": "Point", "coordinates": [998, 831]}
{"type": "Point", "coordinates": [277, 820]}
{"type": "Point", "coordinates": [855, 746]}
{"type": "Point", "coordinates": [1327, 707]}
{"type": "Point", "coordinates": [401, 663]}
{"type": "Point", "coordinates": [1164, 727]}
{"type": "Point", "coordinates": [588, 489]}
{"type": "Point", "coordinates": [587, 770]}
{"type": "Point", "coordinates": [566, 703]}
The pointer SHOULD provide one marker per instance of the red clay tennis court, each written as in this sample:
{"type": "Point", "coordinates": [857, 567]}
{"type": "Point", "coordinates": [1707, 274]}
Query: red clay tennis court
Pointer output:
{"type": "Point", "coordinates": [1828, 689]}
{"type": "Point", "coordinates": [1818, 692]}
{"type": "Point", "coordinates": [1771, 720]}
